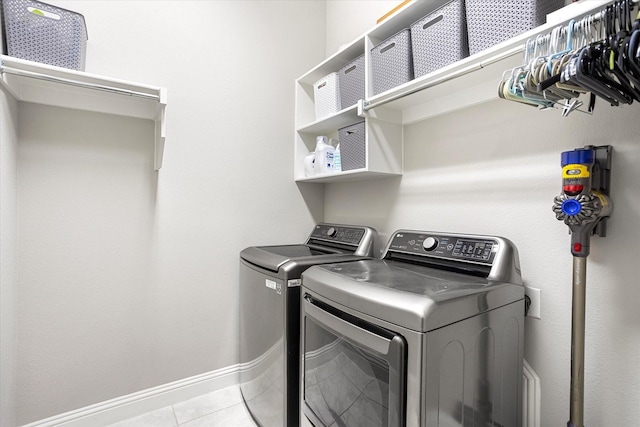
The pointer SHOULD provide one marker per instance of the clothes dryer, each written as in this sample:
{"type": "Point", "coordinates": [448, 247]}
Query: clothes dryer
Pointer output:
{"type": "Point", "coordinates": [270, 316]}
{"type": "Point", "coordinates": [429, 335]}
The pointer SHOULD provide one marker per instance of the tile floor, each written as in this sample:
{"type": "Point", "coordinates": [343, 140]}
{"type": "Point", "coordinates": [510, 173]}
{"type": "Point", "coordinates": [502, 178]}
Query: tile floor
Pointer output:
{"type": "Point", "coordinates": [222, 408]}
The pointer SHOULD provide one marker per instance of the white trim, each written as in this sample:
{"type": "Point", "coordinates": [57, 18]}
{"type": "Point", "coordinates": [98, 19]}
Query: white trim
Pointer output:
{"type": "Point", "coordinates": [531, 397]}
{"type": "Point", "coordinates": [268, 357]}
{"type": "Point", "coordinates": [134, 404]}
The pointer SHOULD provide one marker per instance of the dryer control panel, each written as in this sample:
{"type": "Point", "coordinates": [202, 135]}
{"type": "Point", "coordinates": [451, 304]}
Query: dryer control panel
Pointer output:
{"type": "Point", "coordinates": [451, 247]}
{"type": "Point", "coordinates": [358, 240]}
{"type": "Point", "coordinates": [338, 233]}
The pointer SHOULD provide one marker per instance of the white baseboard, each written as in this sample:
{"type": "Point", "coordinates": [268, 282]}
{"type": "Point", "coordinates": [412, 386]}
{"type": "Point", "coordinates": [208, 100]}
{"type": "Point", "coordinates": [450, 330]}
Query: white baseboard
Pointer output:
{"type": "Point", "coordinates": [132, 405]}
{"type": "Point", "coordinates": [531, 397]}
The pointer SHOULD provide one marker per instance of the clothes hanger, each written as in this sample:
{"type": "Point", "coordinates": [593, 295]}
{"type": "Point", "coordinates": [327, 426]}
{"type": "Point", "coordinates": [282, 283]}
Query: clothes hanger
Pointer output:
{"type": "Point", "coordinates": [518, 90]}
{"type": "Point", "coordinates": [596, 55]}
{"type": "Point", "coordinates": [592, 69]}
{"type": "Point", "coordinates": [586, 69]}
{"type": "Point", "coordinates": [538, 71]}
{"type": "Point", "coordinates": [569, 44]}
{"type": "Point", "coordinates": [612, 66]}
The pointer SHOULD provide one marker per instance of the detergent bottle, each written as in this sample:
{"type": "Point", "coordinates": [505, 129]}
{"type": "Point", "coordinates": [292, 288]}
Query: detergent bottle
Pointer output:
{"type": "Point", "coordinates": [323, 156]}
{"type": "Point", "coordinates": [337, 159]}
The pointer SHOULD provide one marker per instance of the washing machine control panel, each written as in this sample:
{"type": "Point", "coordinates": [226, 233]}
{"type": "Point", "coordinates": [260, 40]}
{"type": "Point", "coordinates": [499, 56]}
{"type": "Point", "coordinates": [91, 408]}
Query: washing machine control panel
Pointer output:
{"type": "Point", "coordinates": [337, 233]}
{"type": "Point", "coordinates": [451, 247]}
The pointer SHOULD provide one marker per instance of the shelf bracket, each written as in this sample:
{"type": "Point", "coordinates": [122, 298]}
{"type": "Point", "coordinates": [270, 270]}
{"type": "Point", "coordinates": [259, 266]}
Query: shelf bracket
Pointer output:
{"type": "Point", "coordinates": [362, 108]}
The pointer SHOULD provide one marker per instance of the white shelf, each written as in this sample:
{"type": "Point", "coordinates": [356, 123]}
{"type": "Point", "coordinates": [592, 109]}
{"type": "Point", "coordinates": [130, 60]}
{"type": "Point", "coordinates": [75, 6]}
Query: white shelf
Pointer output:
{"type": "Point", "coordinates": [470, 81]}
{"type": "Point", "coordinates": [331, 123]}
{"type": "Point", "coordinates": [44, 84]}
{"type": "Point", "coordinates": [351, 175]}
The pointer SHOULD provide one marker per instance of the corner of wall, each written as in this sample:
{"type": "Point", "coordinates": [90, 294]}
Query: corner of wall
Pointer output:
{"type": "Point", "coordinates": [8, 243]}
{"type": "Point", "coordinates": [346, 20]}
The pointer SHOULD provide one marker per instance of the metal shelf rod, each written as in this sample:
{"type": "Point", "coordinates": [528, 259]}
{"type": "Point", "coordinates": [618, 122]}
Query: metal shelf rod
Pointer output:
{"type": "Point", "coordinates": [454, 75]}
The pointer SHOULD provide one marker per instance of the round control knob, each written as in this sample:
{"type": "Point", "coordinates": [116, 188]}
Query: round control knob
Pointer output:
{"type": "Point", "coordinates": [430, 243]}
{"type": "Point", "coordinates": [331, 232]}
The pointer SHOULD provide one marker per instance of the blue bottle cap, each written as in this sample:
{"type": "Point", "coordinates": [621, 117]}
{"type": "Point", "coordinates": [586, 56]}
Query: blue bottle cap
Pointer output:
{"type": "Point", "coordinates": [583, 156]}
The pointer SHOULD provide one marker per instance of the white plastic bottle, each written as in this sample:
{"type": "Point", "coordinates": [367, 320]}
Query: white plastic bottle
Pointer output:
{"type": "Point", "coordinates": [324, 156]}
{"type": "Point", "coordinates": [337, 159]}
{"type": "Point", "coordinates": [309, 163]}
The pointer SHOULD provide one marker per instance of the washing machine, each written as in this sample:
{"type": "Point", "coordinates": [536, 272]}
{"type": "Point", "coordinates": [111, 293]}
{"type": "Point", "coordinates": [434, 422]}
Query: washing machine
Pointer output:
{"type": "Point", "coordinates": [270, 316]}
{"type": "Point", "coordinates": [430, 335]}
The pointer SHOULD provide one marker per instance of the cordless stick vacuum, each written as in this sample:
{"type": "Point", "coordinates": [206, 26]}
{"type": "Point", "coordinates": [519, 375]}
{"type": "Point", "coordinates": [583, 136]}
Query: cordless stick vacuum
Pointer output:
{"type": "Point", "coordinates": [583, 205]}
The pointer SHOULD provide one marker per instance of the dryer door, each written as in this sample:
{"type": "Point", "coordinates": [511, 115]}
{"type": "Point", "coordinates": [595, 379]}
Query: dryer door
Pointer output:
{"type": "Point", "coordinates": [354, 371]}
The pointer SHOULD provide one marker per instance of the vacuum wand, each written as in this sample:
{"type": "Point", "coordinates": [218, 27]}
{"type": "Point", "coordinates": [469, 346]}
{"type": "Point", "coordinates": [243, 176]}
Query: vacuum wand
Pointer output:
{"type": "Point", "coordinates": [576, 396]}
{"type": "Point", "coordinates": [583, 205]}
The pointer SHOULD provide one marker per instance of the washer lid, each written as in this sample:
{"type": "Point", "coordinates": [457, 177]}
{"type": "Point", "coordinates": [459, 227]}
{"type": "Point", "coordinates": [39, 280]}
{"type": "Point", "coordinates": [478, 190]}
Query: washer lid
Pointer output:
{"type": "Point", "coordinates": [291, 260]}
{"type": "Point", "coordinates": [411, 296]}
{"type": "Point", "coordinates": [273, 257]}
{"type": "Point", "coordinates": [327, 243]}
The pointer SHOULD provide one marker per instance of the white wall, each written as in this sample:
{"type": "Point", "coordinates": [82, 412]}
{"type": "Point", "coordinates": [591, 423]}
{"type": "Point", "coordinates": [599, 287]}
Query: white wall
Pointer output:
{"type": "Point", "coordinates": [128, 277]}
{"type": "Point", "coordinates": [8, 243]}
{"type": "Point", "coordinates": [348, 20]}
{"type": "Point", "coordinates": [495, 169]}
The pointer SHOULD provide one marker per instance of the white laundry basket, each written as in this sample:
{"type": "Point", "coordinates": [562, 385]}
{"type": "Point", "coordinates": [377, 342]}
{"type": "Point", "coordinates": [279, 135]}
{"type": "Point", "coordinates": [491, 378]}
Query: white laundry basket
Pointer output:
{"type": "Point", "coordinates": [326, 96]}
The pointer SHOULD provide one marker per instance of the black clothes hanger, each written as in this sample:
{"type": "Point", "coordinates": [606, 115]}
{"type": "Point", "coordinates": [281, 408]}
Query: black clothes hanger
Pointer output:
{"type": "Point", "coordinates": [618, 37]}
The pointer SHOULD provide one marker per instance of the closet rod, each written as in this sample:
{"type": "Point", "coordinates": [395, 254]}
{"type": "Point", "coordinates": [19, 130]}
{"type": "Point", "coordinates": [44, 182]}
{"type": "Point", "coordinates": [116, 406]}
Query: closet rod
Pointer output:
{"type": "Point", "coordinates": [454, 75]}
{"type": "Point", "coordinates": [32, 75]}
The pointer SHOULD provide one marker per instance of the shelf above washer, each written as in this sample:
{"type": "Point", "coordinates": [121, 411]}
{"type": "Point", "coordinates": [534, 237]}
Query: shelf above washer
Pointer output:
{"type": "Point", "coordinates": [37, 83]}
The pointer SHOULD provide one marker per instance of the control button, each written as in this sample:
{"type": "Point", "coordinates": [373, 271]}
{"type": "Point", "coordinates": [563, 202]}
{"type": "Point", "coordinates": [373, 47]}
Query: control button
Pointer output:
{"type": "Point", "coordinates": [332, 232]}
{"type": "Point", "coordinates": [430, 243]}
{"type": "Point", "coordinates": [573, 189]}
{"type": "Point", "coordinates": [577, 247]}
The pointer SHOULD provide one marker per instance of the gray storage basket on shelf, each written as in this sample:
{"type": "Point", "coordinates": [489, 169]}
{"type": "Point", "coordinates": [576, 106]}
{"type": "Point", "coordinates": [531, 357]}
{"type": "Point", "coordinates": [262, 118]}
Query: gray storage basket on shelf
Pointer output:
{"type": "Point", "coordinates": [391, 62]}
{"type": "Point", "coordinates": [439, 38]}
{"type": "Point", "coordinates": [353, 146]}
{"type": "Point", "coordinates": [44, 33]}
{"type": "Point", "coordinates": [3, 39]}
{"type": "Point", "coordinates": [351, 82]}
{"type": "Point", "coordinates": [490, 22]}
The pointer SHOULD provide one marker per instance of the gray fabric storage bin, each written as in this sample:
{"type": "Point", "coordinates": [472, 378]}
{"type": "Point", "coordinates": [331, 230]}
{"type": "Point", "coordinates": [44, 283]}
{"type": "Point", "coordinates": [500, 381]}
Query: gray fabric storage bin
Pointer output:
{"type": "Point", "coordinates": [391, 62]}
{"type": "Point", "coordinates": [351, 82]}
{"type": "Point", "coordinates": [353, 146]}
{"type": "Point", "coordinates": [490, 22]}
{"type": "Point", "coordinates": [439, 38]}
{"type": "Point", "coordinates": [43, 33]}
